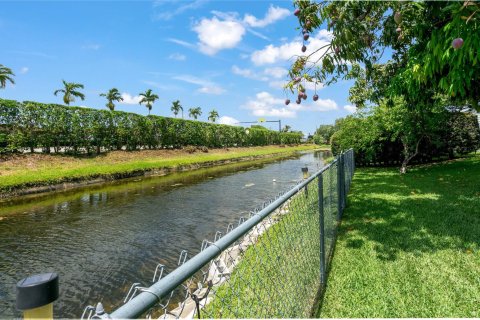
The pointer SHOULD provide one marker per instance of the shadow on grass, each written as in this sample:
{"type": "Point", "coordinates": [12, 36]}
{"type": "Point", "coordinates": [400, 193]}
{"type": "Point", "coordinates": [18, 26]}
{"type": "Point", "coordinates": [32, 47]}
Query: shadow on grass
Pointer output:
{"type": "Point", "coordinates": [433, 207]}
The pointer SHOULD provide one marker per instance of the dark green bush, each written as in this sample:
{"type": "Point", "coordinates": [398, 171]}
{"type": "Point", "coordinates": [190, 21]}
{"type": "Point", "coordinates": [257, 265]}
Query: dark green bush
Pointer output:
{"type": "Point", "coordinates": [31, 125]}
{"type": "Point", "coordinates": [454, 133]}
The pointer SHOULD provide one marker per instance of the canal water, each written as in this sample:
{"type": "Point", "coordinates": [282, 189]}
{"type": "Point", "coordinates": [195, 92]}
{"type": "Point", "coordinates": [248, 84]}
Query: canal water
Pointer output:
{"type": "Point", "coordinates": [102, 239]}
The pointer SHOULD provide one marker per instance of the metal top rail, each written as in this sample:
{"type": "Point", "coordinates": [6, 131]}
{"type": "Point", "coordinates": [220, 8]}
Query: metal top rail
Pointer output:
{"type": "Point", "coordinates": [150, 296]}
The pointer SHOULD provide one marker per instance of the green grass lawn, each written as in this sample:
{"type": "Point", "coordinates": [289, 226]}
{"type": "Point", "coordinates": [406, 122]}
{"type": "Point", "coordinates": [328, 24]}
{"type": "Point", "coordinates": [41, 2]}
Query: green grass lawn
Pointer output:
{"type": "Point", "coordinates": [40, 169]}
{"type": "Point", "coordinates": [409, 246]}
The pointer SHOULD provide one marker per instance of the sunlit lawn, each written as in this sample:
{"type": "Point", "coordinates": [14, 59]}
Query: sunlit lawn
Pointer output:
{"type": "Point", "coordinates": [409, 246]}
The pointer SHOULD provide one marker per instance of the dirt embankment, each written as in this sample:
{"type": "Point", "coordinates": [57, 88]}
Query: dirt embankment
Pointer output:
{"type": "Point", "coordinates": [20, 163]}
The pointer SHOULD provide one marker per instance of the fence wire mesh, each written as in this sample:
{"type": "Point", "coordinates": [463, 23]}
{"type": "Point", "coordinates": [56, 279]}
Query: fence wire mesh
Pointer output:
{"type": "Point", "coordinates": [271, 265]}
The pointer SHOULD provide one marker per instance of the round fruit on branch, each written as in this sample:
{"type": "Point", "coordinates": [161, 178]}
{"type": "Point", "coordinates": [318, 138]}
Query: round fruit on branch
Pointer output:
{"type": "Point", "coordinates": [397, 17]}
{"type": "Point", "coordinates": [457, 43]}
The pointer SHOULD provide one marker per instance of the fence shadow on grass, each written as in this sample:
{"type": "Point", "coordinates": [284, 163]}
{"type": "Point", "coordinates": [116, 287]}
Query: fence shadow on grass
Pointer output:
{"type": "Point", "coordinates": [431, 208]}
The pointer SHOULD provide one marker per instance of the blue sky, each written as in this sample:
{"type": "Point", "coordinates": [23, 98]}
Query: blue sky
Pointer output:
{"type": "Point", "coordinates": [231, 56]}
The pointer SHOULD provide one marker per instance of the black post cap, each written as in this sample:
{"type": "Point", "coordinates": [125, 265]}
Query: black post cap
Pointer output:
{"type": "Point", "coordinates": [37, 290]}
{"type": "Point", "coordinates": [305, 169]}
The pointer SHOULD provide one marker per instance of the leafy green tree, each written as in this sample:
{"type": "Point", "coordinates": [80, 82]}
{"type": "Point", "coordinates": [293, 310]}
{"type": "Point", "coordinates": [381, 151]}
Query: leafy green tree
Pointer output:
{"type": "Point", "coordinates": [434, 46]}
{"type": "Point", "coordinates": [323, 133]}
{"type": "Point", "coordinates": [194, 112]}
{"type": "Point", "coordinates": [286, 128]}
{"type": "Point", "coordinates": [70, 92]}
{"type": "Point", "coordinates": [213, 115]}
{"type": "Point", "coordinates": [112, 95]}
{"type": "Point", "coordinates": [462, 133]}
{"type": "Point", "coordinates": [6, 74]}
{"type": "Point", "coordinates": [410, 128]}
{"type": "Point", "coordinates": [257, 126]}
{"type": "Point", "coordinates": [148, 98]}
{"type": "Point", "coordinates": [176, 108]}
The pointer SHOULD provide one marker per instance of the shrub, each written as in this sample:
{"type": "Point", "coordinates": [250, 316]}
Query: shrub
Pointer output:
{"type": "Point", "coordinates": [36, 125]}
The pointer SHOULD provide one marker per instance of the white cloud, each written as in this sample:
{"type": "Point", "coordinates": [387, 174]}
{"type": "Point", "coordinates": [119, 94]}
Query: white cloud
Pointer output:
{"type": "Point", "coordinates": [321, 105]}
{"type": "Point", "coordinates": [265, 105]}
{"type": "Point", "coordinates": [216, 90]}
{"type": "Point", "coordinates": [177, 56]}
{"type": "Point", "coordinates": [182, 43]}
{"type": "Point", "coordinates": [277, 84]}
{"type": "Point", "coordinates": [206, 86]}
{"type": "Point", "coordinates": [269, 74]}
{"type": "Point", "coordinates": [276, 72]}
{"type": "Point", "coordinates": [91, 46]}
{"type": "Point", "coordinates": [225, 30]}
{"type": "Point", "coordinates": [258, 34]}
{"type": "Point", "coordinates": [248, 73]}
{"type": "Point", "coordinates": [216, 35]}
{"type": "Point", "coordinates": [275, 112]}
{"type": "Point", "coordinates": [310, 86]}
{"type": "Point", "coordinates": [129, 99]}
{"type": "Point", "coordinates": [24, 70]}
{"type": "Point", "coordinates": [169, 14]}
{"type": "Point", "coordinates": [160, 86]}
{"type": "Point", "coordinates": [273, 14]}
{"type": "Point", "coordinates": [272, 54]}
{"type": "Point", "coordinates": [350, 108]}
{"type": "Point", "coordinates": [228, 120]}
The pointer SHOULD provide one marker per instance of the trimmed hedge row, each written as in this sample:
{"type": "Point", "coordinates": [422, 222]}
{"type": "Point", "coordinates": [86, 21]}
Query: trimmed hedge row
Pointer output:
{"type": "Point", "coordinates": [31, 125]}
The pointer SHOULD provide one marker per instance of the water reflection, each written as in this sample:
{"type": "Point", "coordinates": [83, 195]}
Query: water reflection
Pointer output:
{"type": "Point", "coordinates": [102, 239]}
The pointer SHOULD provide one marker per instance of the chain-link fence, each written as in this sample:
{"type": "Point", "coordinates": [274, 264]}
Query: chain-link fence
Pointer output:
{"type": "Point", "coordinates": [271, 265]}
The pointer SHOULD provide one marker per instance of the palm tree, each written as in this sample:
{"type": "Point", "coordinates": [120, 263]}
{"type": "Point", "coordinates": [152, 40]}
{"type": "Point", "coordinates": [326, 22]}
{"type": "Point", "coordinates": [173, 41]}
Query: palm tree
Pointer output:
{"type": "Point", "coordinates": [112, 95]}
{"type": "Point", "coordinates": [176, 108]}
{"type": "Point", "coordinates": [5, 75]}
{"type": "Point", "coordinates": [70, 92]}
{"type": "Point", "coordinates": [194, 112]}
{"type": "Point", "coordinates": [148, 98]}
{"type": "Point", "coordinates": [213, 115]}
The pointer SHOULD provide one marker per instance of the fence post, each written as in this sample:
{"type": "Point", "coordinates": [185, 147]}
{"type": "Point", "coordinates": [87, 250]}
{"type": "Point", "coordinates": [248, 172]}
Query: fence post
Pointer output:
{"type": "Point", "coordinates": [305, 176]}
{"type": "Point", "coordinates": [339, 186]}
{"type": "Point", "coordinates": [322, 230]}
{"type": "Point", "coordinates": [344, 198]}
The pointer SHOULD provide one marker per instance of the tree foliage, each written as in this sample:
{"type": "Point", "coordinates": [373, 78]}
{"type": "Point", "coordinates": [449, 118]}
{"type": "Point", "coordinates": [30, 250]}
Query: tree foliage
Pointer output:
{"type": "Point", "coordinates": [410, 61]}
{"type": "Point", "coordinates": [176, 108]}
{"type": "Point", "coordinates": [323, 133]}
{"type": "Point", "coordinates": [213, 115]}
{"type": "Point", "coordinates": [112, 95]}
{"type": "Point", "coordinates": [148, 98]}
{"type": "Point", "coordinates": [6, 74]}
{"type": "Point", "coordinates": [31, 125]}
{"type": "Point", "coordinates": [419, 33]}
{"type": "Point", "coordinates": [388, 136]}
{"type": "Point", "coordinates": [70, 92]}
{"type": "Point", "coordinates": [195, 112]}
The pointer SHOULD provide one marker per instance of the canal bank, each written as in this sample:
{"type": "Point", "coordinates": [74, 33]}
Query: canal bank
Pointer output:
{"type": "Point", "coordinates": [39, 173]}
{"type": "Point", "coordinates": [101, 241]}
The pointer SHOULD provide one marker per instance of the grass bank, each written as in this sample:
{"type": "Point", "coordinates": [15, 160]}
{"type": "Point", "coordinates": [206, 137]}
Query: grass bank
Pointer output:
{"type": "Point", "coordinates": [409, 246]}
{"type": "Point", "coordinates": [20, 172]}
